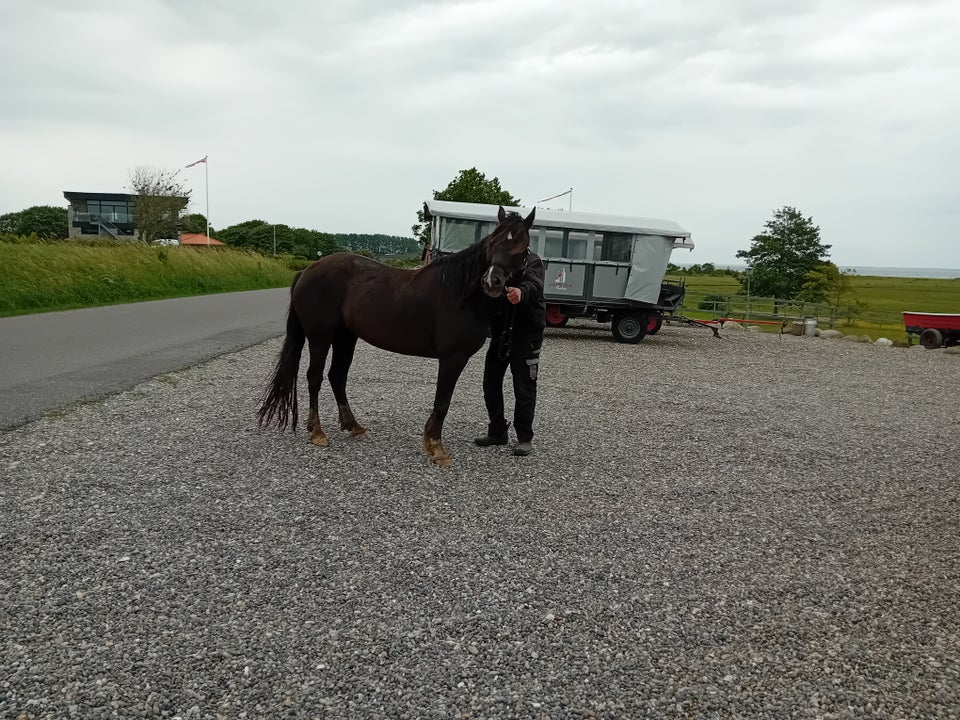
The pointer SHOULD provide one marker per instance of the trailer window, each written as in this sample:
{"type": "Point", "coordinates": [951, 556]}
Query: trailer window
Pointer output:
{"type": "Point", "coordinates": [577, 245]}
{"type": "Point", "coordinates": [536, 239]}
{"type": "Point", "coordinates": [553, 244]}
{"type": "Point", "coordinates": [614, 247]}
{"type": "Point", "coordinates": [458, 234]}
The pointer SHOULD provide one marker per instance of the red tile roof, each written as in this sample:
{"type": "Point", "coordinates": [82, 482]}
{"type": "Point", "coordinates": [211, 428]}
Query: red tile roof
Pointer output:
{"type": "Point", "coordinates": [197, 239]}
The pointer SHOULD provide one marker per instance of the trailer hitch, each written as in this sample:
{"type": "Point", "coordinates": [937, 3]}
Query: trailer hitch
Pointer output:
{"type": "Point", "coordinates": [691, 321]}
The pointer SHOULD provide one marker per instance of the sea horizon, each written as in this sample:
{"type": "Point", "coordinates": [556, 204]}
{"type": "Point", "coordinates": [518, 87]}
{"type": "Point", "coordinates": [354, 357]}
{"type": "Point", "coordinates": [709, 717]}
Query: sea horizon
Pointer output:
{"type": "Point", "coordinates": [870, 270]}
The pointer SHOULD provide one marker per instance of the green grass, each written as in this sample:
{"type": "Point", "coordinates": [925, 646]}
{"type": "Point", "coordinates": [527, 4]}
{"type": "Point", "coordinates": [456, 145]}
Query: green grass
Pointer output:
{"type": "Point", "coordinates": [880, 301]}
{"type": "Point", "coordinates": [46, 276]}
{"type": "Point", "coordinates": [894, 295]}
{"type": "Point", "coordinates": [41, 277]}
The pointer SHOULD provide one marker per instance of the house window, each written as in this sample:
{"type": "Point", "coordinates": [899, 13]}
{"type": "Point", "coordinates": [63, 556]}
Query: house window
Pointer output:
{"type": "Point", "coordinates": [113, 211]}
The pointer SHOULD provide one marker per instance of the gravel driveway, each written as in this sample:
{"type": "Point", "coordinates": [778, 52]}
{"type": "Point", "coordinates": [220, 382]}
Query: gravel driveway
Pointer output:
{"type": "Point", "coordinates": [758, 526]}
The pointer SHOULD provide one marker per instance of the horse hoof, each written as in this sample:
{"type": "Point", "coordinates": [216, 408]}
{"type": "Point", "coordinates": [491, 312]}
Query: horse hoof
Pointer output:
{"type": "Point", "coordinates": [358, 432]}
{"type": "Point", "coordinates": [443, 460]}
{"type": "Point", "coordinates": [434, 448]}
{"type": "Point", "coordinates": [320, 440]}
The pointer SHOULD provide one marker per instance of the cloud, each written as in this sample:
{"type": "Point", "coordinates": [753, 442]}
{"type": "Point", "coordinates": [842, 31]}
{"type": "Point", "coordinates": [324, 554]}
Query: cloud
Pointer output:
{"type": "Point", "coordinates": [345, 115]}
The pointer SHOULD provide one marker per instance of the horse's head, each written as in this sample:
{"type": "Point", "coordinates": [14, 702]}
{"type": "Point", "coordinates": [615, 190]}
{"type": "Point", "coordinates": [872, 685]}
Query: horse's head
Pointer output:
{"type": "Point", "coordinates": [505, 249]}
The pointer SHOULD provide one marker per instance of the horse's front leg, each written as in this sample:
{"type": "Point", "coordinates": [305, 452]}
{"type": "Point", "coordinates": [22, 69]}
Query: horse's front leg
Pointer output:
{"type": "Point", "coordinates": [450, 369]}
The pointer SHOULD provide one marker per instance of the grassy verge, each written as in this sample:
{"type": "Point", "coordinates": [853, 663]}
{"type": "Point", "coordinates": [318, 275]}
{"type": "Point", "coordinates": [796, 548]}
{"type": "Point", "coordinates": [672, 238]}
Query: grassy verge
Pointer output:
{"type": "Point", "coordinates": [41, 277]}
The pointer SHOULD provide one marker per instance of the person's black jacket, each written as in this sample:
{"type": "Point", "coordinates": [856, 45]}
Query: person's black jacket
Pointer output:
{"type": "Point", "coordinates": [530, 314]}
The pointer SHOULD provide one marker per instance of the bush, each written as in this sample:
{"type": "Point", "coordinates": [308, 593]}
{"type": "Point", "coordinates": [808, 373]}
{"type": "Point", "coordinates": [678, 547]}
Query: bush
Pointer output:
{"type": "Point", "coordinates": [31, 239]}
{"type": "Point", "coordinates": [715, 303]}
{"type": "Point", "coordinates": [403, 263]}
{"type": "Point", "coordinates": [294, 262]}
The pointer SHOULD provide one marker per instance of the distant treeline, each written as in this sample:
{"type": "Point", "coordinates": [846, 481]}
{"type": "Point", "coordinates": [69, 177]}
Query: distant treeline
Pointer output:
{"type": "Point", "coordinates": [704, 269]}
{"type": "Point", "coordinates": [282, 239]}
{"type": "Point", "coordinates": [302, 242]}
{"type": "Point", "coordinates": [377, 244]}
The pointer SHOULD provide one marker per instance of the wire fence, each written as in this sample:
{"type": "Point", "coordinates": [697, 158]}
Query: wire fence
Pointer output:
{"type": "Point", "coordinates": [752, 307]}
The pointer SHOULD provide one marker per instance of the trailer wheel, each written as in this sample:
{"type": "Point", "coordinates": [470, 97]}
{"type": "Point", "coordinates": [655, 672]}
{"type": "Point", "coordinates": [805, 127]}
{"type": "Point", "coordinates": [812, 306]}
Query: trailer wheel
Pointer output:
{"type": "Point", "coordinates": [555, 316]}
{"type": "Point", "coordinates": [931, 338]}
{"type": "Point", "coordinates": [654, 323]}
{"type": "Point", "coordinates": [629, 327]}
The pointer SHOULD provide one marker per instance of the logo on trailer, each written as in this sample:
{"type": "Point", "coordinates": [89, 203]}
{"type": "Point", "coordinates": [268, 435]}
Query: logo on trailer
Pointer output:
{"type": "Point", "coordinates": [560, 282]}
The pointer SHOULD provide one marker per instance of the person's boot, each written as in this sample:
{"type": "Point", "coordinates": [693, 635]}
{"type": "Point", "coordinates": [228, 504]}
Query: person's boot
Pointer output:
{"type": "Point", "coordinates": [488, 440]}
{"type": "Point", "coordinates": [522, 449]}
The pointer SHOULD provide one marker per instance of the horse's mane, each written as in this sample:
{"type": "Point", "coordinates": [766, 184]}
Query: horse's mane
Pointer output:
{"type": "Point", "coordinates": [461, 271]}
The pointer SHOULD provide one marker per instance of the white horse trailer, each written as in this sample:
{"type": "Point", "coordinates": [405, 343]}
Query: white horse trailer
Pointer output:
{"type": "Point", "coordinates": [607, 267]}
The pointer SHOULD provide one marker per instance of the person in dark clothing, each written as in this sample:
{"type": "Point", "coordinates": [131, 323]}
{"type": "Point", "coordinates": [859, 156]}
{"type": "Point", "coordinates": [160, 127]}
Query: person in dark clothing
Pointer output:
{"type": "Point", "coordinates": [516, 336]}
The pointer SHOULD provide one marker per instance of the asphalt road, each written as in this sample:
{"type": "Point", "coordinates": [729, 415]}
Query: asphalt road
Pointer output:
{"type": "Point", "coordinates": [51, 360]}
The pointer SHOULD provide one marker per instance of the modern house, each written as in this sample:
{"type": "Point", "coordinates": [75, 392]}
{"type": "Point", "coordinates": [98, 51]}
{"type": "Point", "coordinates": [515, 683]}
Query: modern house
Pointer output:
{"type": "Point", "coordinates": [104, 214]}
{"type": "Point", "coordinates": [101, 214]}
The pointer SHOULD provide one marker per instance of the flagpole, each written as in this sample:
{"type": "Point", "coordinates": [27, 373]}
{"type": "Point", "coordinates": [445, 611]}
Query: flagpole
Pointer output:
{"type": "Point", "coordinates": [206, 179]}
{"type": "Point", "coordinates": [206, 175]}
{"type": "Point", "coordinates": [554, 197]}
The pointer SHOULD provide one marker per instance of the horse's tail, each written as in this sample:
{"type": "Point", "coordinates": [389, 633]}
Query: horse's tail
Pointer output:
{"type": "Point", "coordinates": [280, 402]}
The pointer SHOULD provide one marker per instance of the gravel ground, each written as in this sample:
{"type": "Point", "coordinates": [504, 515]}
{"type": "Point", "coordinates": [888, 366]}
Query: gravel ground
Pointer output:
{"type": "Point", "coordinates": [758, 526]}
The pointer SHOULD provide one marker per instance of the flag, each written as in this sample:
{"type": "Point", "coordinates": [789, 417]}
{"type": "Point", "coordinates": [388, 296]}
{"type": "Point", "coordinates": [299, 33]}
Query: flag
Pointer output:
{"type": "Point", "coordinates": [201, 160]}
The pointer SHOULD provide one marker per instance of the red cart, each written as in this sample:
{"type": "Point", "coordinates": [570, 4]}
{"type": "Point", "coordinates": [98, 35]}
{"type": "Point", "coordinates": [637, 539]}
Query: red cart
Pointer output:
{"type": "Point", "coordinates": [935, 329]}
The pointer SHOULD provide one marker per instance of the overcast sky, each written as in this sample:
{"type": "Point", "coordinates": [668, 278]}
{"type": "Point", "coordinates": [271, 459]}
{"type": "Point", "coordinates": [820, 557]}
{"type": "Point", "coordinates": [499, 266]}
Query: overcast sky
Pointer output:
{"type": "Point", "coordinates": [344, 115]}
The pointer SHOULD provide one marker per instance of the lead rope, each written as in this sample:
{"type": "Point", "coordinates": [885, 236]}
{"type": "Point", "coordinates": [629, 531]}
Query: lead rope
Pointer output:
{"type": "Point", "coordinates": [506, 337]}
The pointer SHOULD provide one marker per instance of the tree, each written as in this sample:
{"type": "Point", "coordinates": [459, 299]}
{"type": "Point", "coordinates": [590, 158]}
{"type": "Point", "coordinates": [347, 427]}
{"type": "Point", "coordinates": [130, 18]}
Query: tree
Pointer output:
{"type": "Point", "coordinates": [195, 223]}
{"type": "Point", "coordinates": [44, 221]}
{"type": "Point", "coordinates": [468, 186]}
{"type": "Point", "coordinates": [246, 234]}
{"type": "Point", "coordinates": [825, 283]}
{"type": "Point", "coordinates": [782, 256]}
{"type": "Point", "coordinates": [159, 199]}
{"type": "Point", "coordinates": [310, 244]}
{"type": "Point", "coordinates": [258, 235]}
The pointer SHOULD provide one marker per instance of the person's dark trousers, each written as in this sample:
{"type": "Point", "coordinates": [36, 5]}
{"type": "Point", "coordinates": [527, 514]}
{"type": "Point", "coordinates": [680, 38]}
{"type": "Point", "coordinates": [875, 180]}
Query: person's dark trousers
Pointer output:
{"type": "Point", "coordinates": [524, 363]}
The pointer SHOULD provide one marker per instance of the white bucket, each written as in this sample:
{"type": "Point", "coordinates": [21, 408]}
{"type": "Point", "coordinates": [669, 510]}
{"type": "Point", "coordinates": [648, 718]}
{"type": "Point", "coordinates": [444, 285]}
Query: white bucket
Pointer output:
{"type": "Point", "coordinates": [810, 327]}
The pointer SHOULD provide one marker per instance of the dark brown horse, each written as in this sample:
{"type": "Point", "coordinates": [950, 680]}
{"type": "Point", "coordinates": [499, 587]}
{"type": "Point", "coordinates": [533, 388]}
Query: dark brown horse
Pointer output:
{"type": "Point", "coordinates": [441, 310]}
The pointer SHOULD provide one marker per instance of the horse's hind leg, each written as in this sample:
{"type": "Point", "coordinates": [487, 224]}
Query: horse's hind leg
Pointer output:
{"type": "Point", "coordinates": [343, 346]}
{"type": "Point", "coordinates": [318, 359]}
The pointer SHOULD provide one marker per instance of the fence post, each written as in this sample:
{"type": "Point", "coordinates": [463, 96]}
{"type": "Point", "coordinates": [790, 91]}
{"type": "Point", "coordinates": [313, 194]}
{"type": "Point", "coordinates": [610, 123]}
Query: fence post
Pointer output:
{"type": "Point", "coordinates": [749, 272]}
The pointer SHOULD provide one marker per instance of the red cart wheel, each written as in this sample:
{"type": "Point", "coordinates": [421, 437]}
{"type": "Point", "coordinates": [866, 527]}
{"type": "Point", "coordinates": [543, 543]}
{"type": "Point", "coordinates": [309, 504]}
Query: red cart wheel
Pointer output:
{"type": "Point", "coordinates": [555, 316]}
{"type": "Point", "coordinates": [931, 338]}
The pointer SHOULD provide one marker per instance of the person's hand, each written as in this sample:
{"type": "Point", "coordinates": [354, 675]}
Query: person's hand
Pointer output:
{"type": "Point", "coordinates": [514, 295]}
